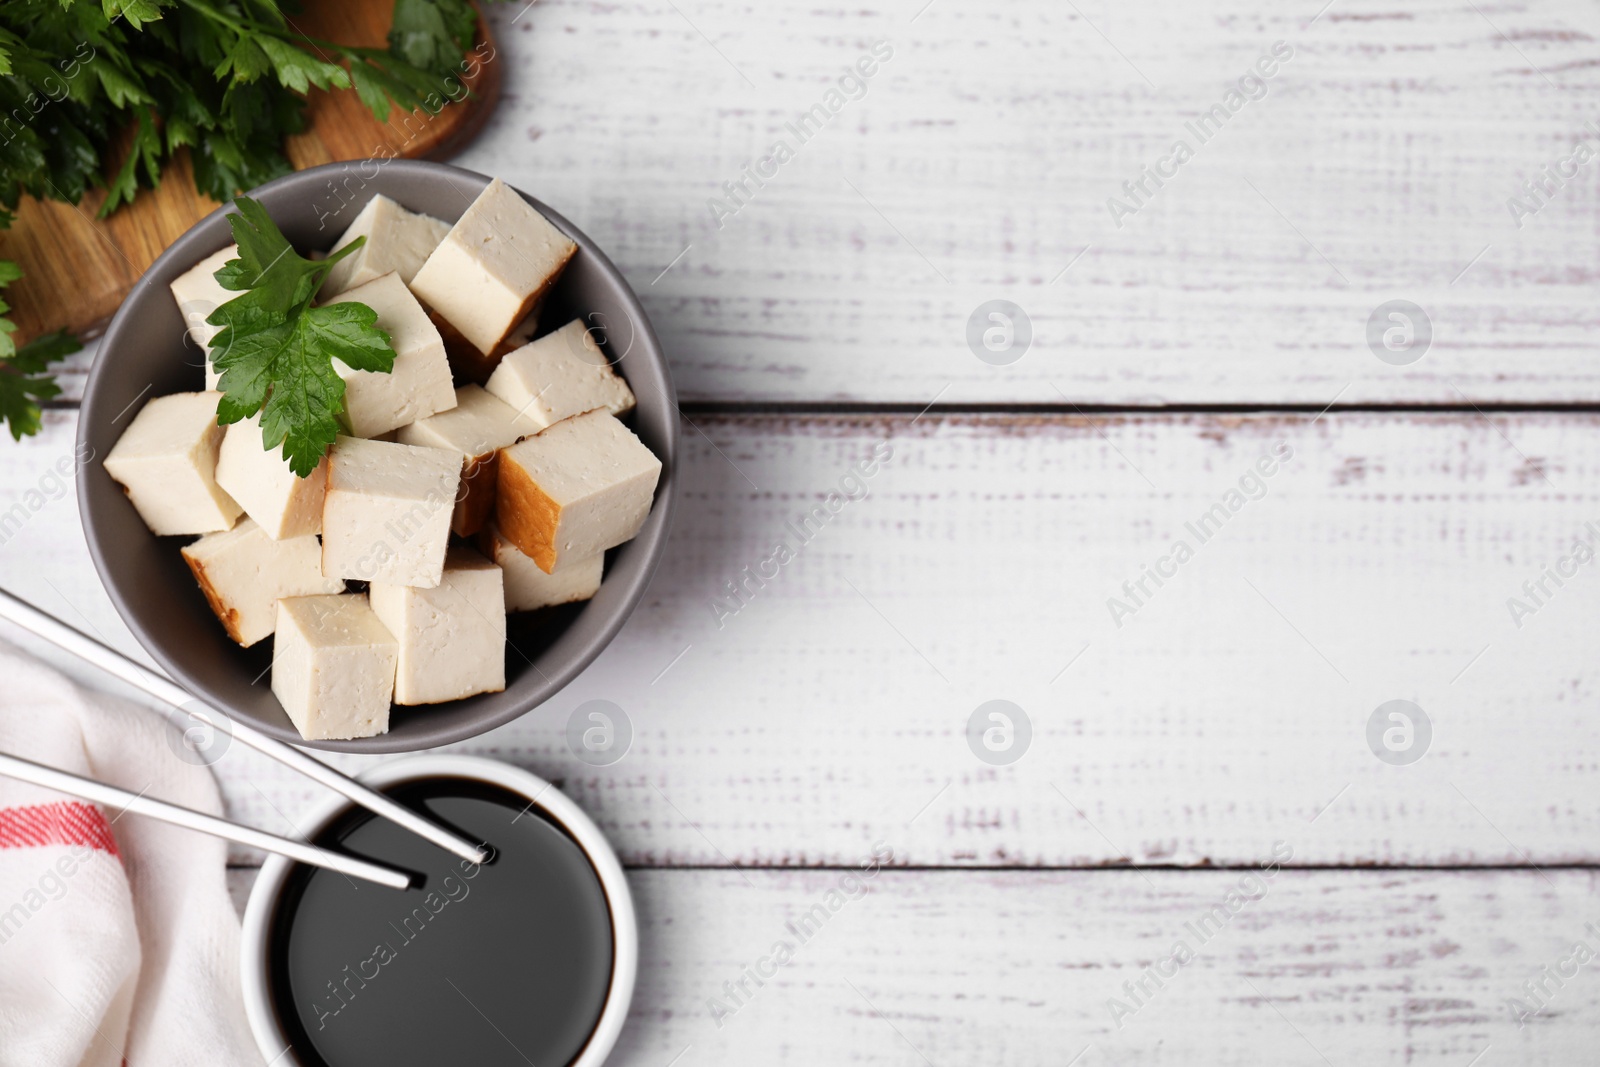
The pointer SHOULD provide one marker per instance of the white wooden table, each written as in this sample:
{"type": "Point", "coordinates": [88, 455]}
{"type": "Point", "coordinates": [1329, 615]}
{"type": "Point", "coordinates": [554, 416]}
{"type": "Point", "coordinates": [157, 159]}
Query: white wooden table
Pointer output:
{"type": "Point", "coordinates": [1176, 747]}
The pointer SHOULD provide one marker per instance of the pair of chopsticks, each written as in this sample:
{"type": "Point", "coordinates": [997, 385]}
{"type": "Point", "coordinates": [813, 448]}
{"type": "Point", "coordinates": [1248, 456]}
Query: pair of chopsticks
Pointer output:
{"type": "Point", "coordinates": [152, 684]}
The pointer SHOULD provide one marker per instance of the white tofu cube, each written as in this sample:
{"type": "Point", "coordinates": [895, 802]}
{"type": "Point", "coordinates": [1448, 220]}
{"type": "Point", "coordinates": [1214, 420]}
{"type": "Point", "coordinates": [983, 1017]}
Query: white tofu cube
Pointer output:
{"type": "Point", "coordinates": [478, 423]}
{"type": "Point", "coordinates": [386, 515]}
{"type": "Point", "coordinates": [495, 263]}
{"type": "Point", "coordinates": [477, 427]}
{"type": "Point", "coordinates": [527, 587]}
{"type": "Point", "coordinates": [166, 460]}
{"type": "Point", "coordinates": [198, 294]}
{"type": "Point", "coordinates": [452, 637]}
{"type": "Point", "coordinates": [560, 375]}
{"type": "Point", "coordinates": [260, 479]}
{"type": "Point", "coordinates": [333, 666]}
{"type": "Point", "coordinates": [576, 489]}
{"type": "Point", "coordinates": [243, 573]}
{"type": "Point", "coordinates": [396, 240]}
{"type": "Point", "coordinates": [419, 385]}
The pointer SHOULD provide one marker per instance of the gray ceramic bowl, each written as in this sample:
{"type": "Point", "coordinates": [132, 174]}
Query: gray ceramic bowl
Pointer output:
{"type": "Point", "coordinates": [144, 353]}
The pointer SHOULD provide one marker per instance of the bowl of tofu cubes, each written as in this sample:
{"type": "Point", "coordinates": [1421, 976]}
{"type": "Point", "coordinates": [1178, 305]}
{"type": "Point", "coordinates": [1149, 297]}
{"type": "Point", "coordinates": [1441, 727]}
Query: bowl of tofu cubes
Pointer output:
{"type": "Point", "coordinates": [490, 508]}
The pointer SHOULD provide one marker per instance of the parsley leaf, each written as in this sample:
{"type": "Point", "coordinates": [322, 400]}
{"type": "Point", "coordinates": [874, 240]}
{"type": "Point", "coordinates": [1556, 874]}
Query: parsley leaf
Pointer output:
{"type": "Point", "coordinates": [267, 263]}
{"type": "Point", "coordinates": [432, 35]}
{"type": "Point", "coordinates": [24, 381]}
{"type": "Point", "coordinates": [144, 151]}
{"type": "Point", "coordinates": [276, 351]}
{"type": "Point", "coordinates": [299, 70]}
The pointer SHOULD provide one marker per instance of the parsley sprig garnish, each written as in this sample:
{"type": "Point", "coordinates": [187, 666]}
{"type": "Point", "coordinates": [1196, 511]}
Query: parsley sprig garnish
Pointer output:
{"type": "Point", "coordinates": [276, 351]}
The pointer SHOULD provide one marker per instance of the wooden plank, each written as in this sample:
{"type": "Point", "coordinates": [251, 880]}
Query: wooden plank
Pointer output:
{"type": "Point", "coordinates": [1229, 711]}
{"type": "Point", "coordinates": [1378, 166]}
{"type": "Point", "coordinates": [951, 967]}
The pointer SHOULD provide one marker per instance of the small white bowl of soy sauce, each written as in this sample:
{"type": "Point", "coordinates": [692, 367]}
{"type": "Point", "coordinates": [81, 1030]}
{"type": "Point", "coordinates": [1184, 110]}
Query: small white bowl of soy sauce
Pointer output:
{"type": "Point", "coordinates": [529, 958]}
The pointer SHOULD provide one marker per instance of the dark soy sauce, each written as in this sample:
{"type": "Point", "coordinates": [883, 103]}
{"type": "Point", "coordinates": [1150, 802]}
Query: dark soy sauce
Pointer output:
{"type": "Point", "coordinates": [507, 963]}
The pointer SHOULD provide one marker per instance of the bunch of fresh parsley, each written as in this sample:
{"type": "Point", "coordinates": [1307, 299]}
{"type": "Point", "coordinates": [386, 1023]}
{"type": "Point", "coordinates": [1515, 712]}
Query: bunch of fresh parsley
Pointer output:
{"type": "Point", "coordinates": [223, 78]}
{"type": "Point", "coordinates": [88, 84]}
{"type": "Point", "coordinates": [276, 351]}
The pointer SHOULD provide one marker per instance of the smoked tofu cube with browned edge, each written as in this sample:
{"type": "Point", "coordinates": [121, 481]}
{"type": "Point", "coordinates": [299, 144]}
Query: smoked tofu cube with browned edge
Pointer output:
{"type": "Point", "coordinates": [419, 385]}
{"type": "Point", "coordinates": [243, 573]}
{"type": "Point", "coordinates": [386, 515]}
{"type": "Point", "coordinates": [452, 637]}
{"type": "Point", "coordinates": [527, 587]}
{"type": "Point", "coordinates": [499, 258]}
{"type": "Point", "coordinates": [333, 666]}
{"type": "Point", "coordinates": [260, 479]}
{"type": "Point", "coordinates": [560, 375]}
{"type": "Point", "coordinates": [396, 240]}
{"type": "Point", "coordinates": [166, 461]}
{"type": "Point", "coordinates": [477, 427]}
{"type": "Point", "coordinates": [198, 294]}
{"type": "Point", "coordinates": [576, 489]}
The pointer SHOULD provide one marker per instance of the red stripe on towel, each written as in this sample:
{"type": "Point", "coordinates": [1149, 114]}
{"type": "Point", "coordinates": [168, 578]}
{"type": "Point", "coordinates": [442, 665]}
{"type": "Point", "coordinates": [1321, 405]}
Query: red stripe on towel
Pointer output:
{"type": "Point", "coordinates": [67, 822]}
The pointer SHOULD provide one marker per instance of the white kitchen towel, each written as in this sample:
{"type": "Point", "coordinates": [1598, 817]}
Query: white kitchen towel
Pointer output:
{"type": "Point", "coordinates": [118, 941]}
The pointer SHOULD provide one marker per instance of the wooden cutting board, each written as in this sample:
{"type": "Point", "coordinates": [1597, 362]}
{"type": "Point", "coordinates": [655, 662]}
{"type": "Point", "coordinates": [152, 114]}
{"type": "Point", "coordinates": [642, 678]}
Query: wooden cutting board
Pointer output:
{"type": "Point", "coordinates": [77, 269]}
